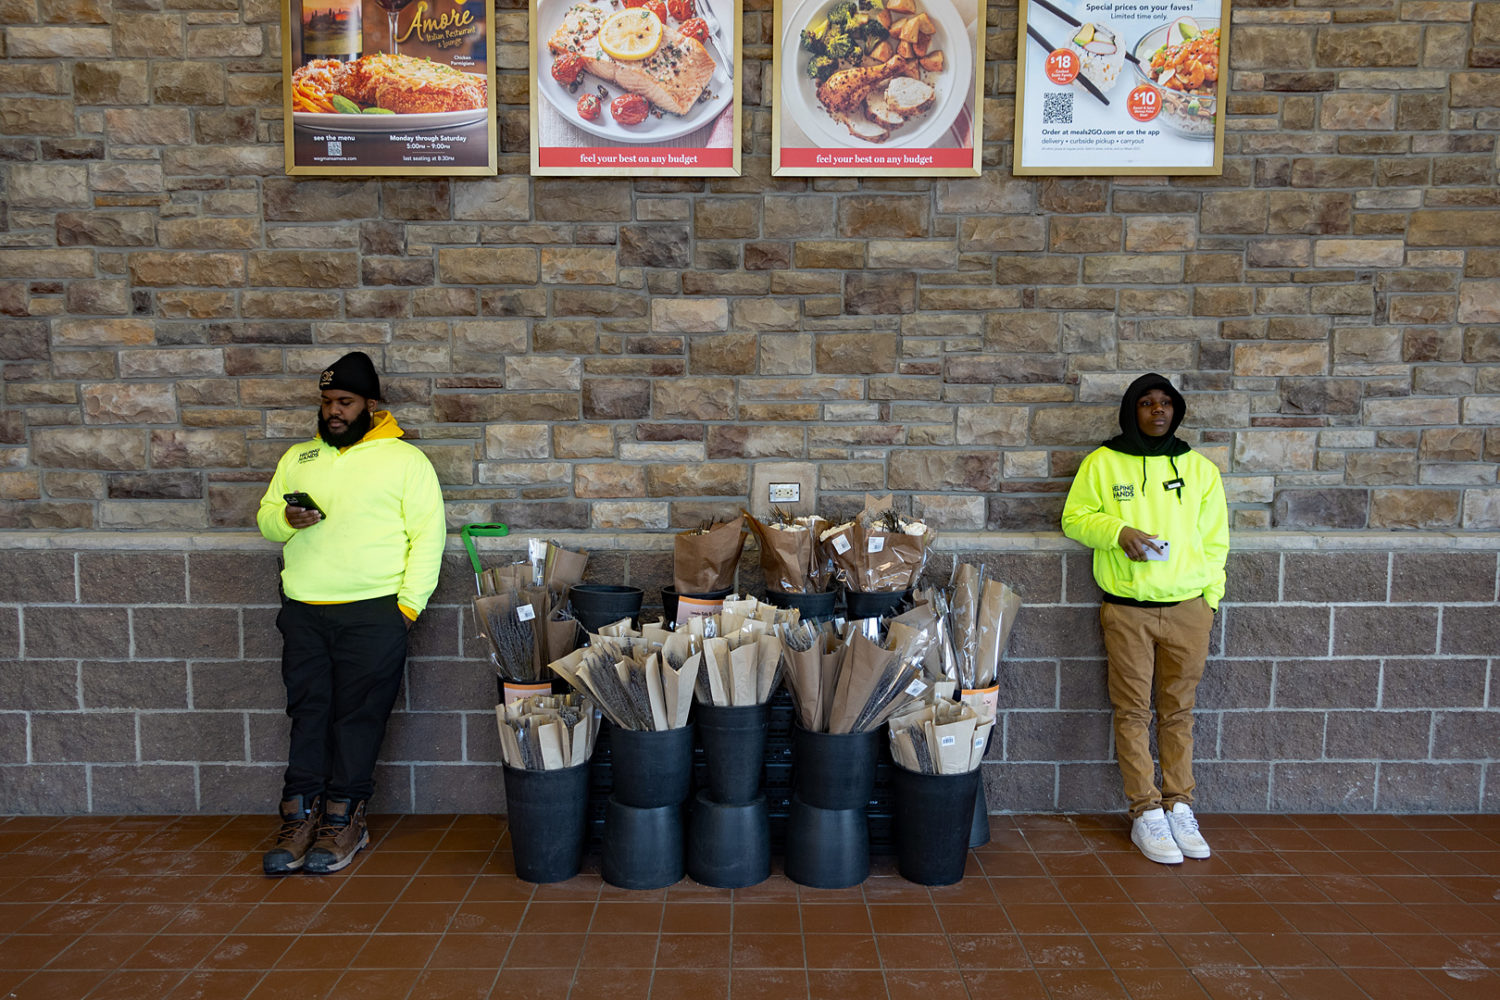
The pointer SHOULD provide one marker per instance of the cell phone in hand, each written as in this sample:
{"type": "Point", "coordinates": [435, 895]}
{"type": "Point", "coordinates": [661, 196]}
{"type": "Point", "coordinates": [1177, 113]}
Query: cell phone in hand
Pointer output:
{"type": "Point", "coordinates": [1157, 549]}
{"type": "Point", "coordinates": [304, 501]}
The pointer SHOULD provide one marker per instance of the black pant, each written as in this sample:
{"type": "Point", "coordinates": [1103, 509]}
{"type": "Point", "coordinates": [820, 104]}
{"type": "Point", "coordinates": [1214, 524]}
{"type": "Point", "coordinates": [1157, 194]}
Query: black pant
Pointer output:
{"type": "Point", "coordinates": [342, 664]}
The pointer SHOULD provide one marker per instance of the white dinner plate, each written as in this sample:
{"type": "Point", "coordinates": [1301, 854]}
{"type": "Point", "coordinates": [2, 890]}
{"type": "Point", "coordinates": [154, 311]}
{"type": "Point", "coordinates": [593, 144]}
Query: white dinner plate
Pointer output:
{"type": "Point", "coordinates": [386, 123]}
{"type": "Point", "coordinates": [669, 126]}
{"type": "Point", "coordinates": [953, 85]}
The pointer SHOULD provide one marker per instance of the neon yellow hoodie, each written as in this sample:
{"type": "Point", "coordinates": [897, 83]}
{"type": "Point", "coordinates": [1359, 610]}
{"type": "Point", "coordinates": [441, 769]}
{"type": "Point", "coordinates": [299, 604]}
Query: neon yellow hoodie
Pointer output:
{"type": "Point", "coordinates": [383, 532]}
{"type": "Point", "coordinates": [1113, 490]}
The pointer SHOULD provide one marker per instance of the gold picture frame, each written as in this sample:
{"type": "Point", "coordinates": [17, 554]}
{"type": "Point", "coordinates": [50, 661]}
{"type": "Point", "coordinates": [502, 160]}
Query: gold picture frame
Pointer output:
{"type": "Point", "coordinates": [1091, 99]}
{"type": "Point", "coordinates": [903, 98]}
{"type": "Point", "coordinates": [443, 123]}
{"type": "Point", "coordinates": [628, 135]}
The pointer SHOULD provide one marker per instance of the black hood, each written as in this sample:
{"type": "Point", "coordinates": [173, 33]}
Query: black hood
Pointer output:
{"type": "Point", "coordinates": [1130, 440]}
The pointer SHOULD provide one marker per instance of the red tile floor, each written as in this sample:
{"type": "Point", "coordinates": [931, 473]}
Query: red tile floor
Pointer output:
{"type": "Point", "coordinates": [1324, 907]}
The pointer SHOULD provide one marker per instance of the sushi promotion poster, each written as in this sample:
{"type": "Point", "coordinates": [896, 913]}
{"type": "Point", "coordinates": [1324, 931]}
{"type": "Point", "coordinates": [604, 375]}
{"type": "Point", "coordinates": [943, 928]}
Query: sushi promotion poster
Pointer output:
{"type": "Point", "coordinates": [385, 87]}
{"type": "Point", "coordinates": [1121, 87]}
{"type": "Point", "coordinates": [645, 88]}
{"type": "Point", "coordinates": [877, 88]}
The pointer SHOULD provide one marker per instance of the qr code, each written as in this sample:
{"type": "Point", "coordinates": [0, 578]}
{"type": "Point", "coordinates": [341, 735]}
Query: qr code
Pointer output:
{"type": "Point", "coordinates": [336, 148]}
{"type": "Point", "coordinates": [1057, 109]}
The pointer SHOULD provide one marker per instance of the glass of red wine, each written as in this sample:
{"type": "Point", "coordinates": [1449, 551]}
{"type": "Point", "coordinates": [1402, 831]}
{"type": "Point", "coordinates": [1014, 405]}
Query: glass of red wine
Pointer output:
{"type": "Point", "coordinates": [392, 8]}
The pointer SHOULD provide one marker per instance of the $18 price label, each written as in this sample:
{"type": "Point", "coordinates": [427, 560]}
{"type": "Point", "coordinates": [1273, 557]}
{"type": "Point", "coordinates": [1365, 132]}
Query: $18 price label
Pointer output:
{"type": "Point", "coordinates": [1062, 66]}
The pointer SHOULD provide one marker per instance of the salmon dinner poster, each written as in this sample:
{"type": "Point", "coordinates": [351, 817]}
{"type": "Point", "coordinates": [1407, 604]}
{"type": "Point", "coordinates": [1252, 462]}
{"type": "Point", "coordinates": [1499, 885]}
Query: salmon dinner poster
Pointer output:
{"type": "Point", "coordinates": [635, 87]}
{"type": "Point", "coordinates": [394, 87]}
{"type": "Point", "coordinates": [877, 88]}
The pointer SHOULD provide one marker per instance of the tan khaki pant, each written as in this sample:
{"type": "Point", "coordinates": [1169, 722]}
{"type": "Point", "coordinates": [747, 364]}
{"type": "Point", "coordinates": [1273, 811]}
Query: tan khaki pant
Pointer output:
{"type": "Point", "coordinates": [1162, 649]}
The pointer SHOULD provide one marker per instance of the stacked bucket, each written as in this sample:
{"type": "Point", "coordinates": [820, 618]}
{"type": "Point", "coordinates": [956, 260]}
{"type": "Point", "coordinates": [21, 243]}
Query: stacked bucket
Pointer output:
{"type": "Point", "coordinates": [729, 832]}
{"type": "Point", "coordinates": [643, 821]}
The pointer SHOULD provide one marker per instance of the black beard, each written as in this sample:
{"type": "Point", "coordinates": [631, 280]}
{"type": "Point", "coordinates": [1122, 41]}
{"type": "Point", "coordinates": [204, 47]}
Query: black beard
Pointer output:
{"type": "Point", "coordinates": [351, 434]}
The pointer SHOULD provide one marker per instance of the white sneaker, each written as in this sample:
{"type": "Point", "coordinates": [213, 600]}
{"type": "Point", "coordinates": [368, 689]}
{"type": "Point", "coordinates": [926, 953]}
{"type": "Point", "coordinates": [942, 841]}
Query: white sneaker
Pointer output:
{"type": "Point", "coordinates": [1153, 836]}
{"type": "Point", "coordinates": [1185, 831]}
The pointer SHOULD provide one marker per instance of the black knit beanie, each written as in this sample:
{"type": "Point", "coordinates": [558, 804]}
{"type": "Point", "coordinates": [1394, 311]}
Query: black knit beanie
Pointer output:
{"type": "Point", "coordinates": [355, 373]}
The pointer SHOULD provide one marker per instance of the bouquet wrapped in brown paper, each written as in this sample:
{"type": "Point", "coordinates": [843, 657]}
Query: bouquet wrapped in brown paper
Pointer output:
{"type": "Point", "coordinates": [546, 731]}
{"type": "Point", "coordinates": [706, 559]}
{"type": "Point", "coordinates": [791, 557]}
{"type": "Point", "coordinates": [851, 682]}
{"type": "Point", "coordinates": [638, 683]}
{"type": "Point", "coordinates": [938, 736]}
{"type": "Point", "coordinates": [878, 550]}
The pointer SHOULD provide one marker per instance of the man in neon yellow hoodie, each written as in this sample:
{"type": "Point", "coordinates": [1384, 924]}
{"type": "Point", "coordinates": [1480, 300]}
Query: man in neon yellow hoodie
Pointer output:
{"type": "Point", "coordinates": [1153, 511]}
{"type": "Point", "coordinates": [363, 542]}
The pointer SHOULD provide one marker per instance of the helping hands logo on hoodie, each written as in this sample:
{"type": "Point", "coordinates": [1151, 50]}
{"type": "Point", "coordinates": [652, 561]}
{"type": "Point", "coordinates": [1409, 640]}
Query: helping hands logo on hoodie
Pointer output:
{"type": "Point", "coordinates": [1124, 491]}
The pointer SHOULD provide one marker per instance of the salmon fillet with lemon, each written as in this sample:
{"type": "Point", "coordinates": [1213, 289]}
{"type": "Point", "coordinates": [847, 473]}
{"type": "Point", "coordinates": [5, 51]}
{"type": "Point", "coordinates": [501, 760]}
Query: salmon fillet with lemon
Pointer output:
{"type": "Point", "coordinates": [671, 77]}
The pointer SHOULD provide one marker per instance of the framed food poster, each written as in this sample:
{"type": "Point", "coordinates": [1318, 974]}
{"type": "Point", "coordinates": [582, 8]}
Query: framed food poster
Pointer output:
{"type": "Point", "coordinates": [1120, 87]}
{"type": "Point", "coordinates": [877, 88]}
{"type": "Point", "coordinates": [388, 86]}
{"type": "Point", "coordinates": [635, 87]}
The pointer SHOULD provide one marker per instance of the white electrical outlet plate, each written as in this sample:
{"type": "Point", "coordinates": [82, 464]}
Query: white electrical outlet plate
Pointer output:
{"type": "Point", "coordinates": [786, 492]}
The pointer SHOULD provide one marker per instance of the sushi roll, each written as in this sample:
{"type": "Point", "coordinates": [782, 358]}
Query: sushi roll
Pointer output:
{"type": "Point", "coordinates": [1100, 53]}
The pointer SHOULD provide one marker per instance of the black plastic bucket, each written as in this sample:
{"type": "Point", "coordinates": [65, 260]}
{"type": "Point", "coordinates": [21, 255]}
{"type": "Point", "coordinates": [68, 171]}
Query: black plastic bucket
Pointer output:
{"type": "Point", "coordinates": [979, 830]}
{"type": "Point", "coordinates": [874, 603]}
{"type": "Point", "coordinates": [934, 816]}
{"type": "Point", "coordinates": [834, 770]}
{"type": "Point", "coordinates": [513, 689]}
{"type": "Point", "coordinates": [643, 848]}
{"type": "Point", "coordinates": [814, 607]}
{"type": "Point", "coordinates": [599, 604]}
{"type": "Point", "coordinates": [729, 844]}
{"type": "Point", "coordinates": [547, 813]}
{"type": "Point", "coordinates": [827, 848]}
{"type": "Point", "coordinates": [669, 598]}
{"type": "Point", "coordinates": [734, 749]}
{"type": "Point", "coordinates": [651, 769]}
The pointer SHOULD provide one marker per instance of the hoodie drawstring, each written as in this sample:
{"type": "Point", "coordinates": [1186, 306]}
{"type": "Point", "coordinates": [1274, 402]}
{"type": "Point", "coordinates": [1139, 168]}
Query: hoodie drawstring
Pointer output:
{"type": "Point", "coordinates": [1175, 475]}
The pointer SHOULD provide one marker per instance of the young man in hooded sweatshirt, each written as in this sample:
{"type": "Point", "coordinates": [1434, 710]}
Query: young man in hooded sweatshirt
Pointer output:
{"type": "Point", "coordinates": [1153, 511]}
{"type": "Point", "coordinates": [357, 571]}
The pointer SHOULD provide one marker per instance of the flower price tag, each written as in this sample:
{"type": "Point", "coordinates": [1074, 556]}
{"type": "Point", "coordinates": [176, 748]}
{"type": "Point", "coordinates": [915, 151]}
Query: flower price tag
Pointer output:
{"type": "Point", "coordinates": [841, 544]}
{"type": "Point", "coordinates": [916, 687]}
{"type": "Point", "coordinates": [876, 543]}
{"type": "Point", "coordinates": [525, 612]}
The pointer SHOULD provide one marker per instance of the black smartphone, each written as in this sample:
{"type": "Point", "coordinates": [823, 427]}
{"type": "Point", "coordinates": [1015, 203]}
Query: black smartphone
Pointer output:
{"type": "Point", "coordinates": [305, 502]}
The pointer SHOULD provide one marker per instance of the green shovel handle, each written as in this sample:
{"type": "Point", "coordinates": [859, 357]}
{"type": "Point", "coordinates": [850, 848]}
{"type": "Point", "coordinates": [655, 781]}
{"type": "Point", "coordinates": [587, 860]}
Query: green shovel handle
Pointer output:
{"type": "Point", "coordinates": [469, 531]}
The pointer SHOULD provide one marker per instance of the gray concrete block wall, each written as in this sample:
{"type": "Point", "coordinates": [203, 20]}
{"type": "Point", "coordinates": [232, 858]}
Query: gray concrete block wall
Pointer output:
{"type": "Point", "coordinates": [140, 674]}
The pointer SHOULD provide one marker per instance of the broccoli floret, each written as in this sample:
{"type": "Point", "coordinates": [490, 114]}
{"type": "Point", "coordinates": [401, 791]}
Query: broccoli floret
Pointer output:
{"type": "Point", "coordinates": [867, 31]}
{"type": "Point", "coordinates": [838, 45]}
{"type": "Point", "coordinates": [821, 67]}
{"type": "Point", "coordinates": [842, 13]}
{"type": "Point", "coordinates": [813, 35]}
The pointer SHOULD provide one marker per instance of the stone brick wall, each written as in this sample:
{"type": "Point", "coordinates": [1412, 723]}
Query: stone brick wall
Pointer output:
{"type": "Point", "coordinates": [141, 675]}
{"type": "Point", "coordinates": [612, 354]}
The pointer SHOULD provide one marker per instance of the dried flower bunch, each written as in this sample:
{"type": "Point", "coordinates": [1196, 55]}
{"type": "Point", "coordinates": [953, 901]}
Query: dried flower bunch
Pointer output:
{"type": "Point", "coordinates": [791, 558]}
{"type": "Point", "coordinates": [547, 731]}
{"type": "Point", "coordinates": [880, 549]}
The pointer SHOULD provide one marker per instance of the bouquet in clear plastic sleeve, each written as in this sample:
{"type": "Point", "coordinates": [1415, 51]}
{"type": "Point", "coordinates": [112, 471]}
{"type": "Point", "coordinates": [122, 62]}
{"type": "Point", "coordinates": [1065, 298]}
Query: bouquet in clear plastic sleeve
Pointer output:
{"type": "Point", "coordinates": [878, 550]}
{"type": "Point", "coordinates": [791, 557]}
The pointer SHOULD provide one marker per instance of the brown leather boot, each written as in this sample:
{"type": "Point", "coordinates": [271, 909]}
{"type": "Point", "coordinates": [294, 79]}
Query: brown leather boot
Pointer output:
{"type": "Point", "coordinates": [300, 817]}
{"type": "Point", "coordinates": [340, 837]}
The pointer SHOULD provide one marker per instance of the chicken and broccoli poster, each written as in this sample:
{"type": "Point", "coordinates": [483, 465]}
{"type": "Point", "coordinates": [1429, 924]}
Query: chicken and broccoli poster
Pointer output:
{"type": "Point", "coordinates": [877, 87]}
{"type": "Point", "coordinates": [635, 87]}
{"type": "Point", "coordinates": [1121, 86]}
{"type": "Point", "coordinates": [388, 87]}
